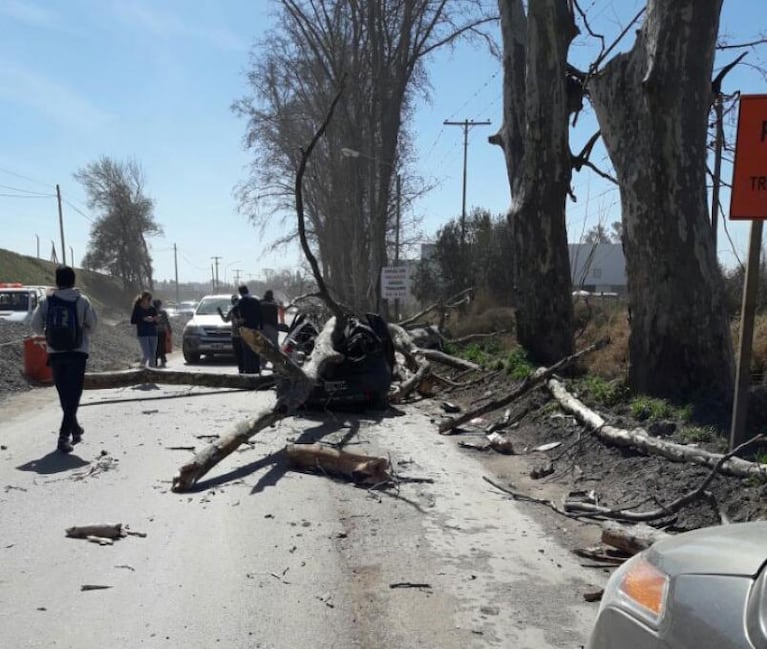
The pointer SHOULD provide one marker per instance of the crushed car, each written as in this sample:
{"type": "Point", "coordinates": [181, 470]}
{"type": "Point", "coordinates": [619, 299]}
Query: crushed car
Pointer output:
{"type": "Point", "coordinates": [363, 378]}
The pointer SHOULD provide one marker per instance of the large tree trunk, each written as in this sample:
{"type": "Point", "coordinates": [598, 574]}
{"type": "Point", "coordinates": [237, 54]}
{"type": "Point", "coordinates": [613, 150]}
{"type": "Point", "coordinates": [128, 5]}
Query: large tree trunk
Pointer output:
{"type": "Point", "coordinates": [534, 137]}
{"type": "Point", "coordinates": [652, 104]}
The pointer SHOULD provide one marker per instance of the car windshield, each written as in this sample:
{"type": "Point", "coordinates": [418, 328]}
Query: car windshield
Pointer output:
{"type": "Point", "coordinates": [210, 305]}
{"type": "Point", "coordinates": [14, 300]}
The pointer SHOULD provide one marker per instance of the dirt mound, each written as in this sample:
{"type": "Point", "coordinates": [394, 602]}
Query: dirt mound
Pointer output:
{"type": "Point", "coordinates": [619, 477]}
{"type": "Point", "coordinates": [112, 347]}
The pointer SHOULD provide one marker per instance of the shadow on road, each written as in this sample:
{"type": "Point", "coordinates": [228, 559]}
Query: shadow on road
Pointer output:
{"type": "Point", "coordinates": [278, 461]}
{"type": "Point", "coordinates": [53, 462]}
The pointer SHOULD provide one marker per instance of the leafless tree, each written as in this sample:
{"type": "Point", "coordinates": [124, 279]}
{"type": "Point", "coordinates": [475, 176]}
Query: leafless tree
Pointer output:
{"type": "Point", "coordinates": [534, 138]}
{"type": "Point", "coordinates": [652, 104]}
{"type": "Point", "coordinates": [379, 47]}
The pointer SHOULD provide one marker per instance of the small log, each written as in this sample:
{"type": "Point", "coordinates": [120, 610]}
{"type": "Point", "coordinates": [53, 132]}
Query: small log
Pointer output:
{"type": "Point", "coordinates": [631, 540]}
{"type": "Point", "coordinates": [123, 378]}
{"type": "Point", "coordinates": [532, 381]}
{"type": "Point", "coordinates": [361, 469]}
{"type": "Point", "coordinates": [104, 531]}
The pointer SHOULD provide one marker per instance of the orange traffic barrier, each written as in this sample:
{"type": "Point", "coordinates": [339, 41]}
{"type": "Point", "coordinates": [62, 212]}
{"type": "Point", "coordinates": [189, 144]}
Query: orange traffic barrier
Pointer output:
{"type": "Point", "coordinates": [36, 360]}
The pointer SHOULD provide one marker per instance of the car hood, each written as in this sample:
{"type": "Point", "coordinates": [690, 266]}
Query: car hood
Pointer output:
{"type": "Point", "coordinates": [738, 549]}
{"type": "Point", "coordinates": [213, 320]}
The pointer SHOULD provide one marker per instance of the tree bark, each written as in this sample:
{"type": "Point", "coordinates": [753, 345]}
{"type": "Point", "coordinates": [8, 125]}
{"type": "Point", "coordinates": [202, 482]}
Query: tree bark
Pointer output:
{"type": "Point", "coordinates": [123, 378]}
{"type": "Point", "coordinates": [632, 539]}
{"type": "Point", "coordinates": [652, 104]}
{"type": "Point", "coordinates": [362, 469]}
{"type": "Point", "coordinates": [534, 137]}
{"type": "Point", "coordinates": [642, 441]}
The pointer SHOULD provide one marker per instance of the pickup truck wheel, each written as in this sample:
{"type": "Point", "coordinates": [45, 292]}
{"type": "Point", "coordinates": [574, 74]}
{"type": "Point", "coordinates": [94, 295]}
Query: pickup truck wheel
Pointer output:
{"type": "Point", "coordinates": [191, 357]}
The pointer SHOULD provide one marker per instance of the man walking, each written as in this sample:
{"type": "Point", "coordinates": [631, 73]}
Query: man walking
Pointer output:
{"type": "Point", "coordinates": [233, 316]}
{"type": "Point", "coordinates": [250, 312]}
{"type": "Point", "coordinates": [67, 319]}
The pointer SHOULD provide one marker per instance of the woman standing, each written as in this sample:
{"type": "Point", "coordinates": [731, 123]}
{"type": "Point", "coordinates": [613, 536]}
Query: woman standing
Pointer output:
{"type": "Point", "coordinates": [163, 333]}
{"type": "Point", "coordinates": [144, 316]}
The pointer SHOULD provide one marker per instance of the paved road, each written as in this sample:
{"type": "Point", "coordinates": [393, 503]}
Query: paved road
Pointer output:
{"type": "Point", "coordinates": [261, 556]}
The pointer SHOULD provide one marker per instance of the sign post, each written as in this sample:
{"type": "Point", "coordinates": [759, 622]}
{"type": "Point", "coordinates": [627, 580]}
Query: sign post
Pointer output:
{"type": "Point", "coordinates": [748, 202]}
{"type": "Point", "coordinates": [395, 282]}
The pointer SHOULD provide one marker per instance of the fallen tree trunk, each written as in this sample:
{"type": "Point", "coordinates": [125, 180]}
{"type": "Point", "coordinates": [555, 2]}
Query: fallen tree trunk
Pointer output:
{"type": "Point", "coordinates": [296, 386]}
{"type": "Point", "coordinates": [361, 469]}
{"type": "Point", "coordinates": [631, 540]}
{"type": "Point", "coordinates": [532, 381]}
{"type": "Point", "coordinates": [124, 378]}
{"type": "Point", "coordinates": [639, 439]}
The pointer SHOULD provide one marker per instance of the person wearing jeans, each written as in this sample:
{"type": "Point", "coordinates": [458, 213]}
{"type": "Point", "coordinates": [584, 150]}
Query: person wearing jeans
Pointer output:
{"type": "Point", "coordinates": [68, 365]}
{"type": "Point", "coordinates": [144, 316]}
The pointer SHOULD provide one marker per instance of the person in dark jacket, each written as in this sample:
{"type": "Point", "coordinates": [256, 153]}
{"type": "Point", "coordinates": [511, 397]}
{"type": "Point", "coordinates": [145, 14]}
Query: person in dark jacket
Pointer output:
{"type": "Point", "coordinates": [250, 311]}
{"type": "Point", "coordinates": [233, 316]}
{"type": "Point", "coordinates": [68, 366]}
{"type": "Point", "coordinates": [270, 316]}
{"type": "Point", "coordinates": [163, 332]}
{"type": "Point", "coordinates": [144, 316]}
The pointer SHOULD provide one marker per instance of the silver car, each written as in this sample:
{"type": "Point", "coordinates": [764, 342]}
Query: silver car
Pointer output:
{"type": "Point", "coordinates": [705, 589]}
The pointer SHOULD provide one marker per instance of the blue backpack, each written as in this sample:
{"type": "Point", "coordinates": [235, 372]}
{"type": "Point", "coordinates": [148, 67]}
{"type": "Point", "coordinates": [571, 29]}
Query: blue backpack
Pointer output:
{"type": "Point", "coordinates": [63, 331]}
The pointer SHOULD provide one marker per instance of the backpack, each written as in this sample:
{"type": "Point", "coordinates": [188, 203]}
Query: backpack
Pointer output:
{"type": "Point", "coordinates": [63, 331]}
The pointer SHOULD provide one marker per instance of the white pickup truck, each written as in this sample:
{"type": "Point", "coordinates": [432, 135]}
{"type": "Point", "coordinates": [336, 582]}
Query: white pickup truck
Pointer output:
{"type": "Point", "coordinates": [18, 302]}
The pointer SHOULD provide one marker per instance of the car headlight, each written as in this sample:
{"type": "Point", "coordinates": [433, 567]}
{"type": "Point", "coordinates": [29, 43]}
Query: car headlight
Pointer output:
{"type": "Point", "coordinates": [193, 331]}
{"type": "Point", "coordinates": [639, 587]}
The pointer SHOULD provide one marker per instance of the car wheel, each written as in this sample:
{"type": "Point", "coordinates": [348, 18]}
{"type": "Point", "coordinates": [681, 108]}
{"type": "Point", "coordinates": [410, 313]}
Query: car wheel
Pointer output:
{"type": "Point", "coordinates": [191, 357]}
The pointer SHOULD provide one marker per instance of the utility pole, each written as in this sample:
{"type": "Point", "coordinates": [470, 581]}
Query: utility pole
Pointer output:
{"type": "Point", "coordinates": [237, 272]}
{"type": "Point", "coordinates": [175, 267]}
{"type": "Point", "coordinates": [212, 280]}
{"type": "Point", "coordinates": [71, 256]}
{"type": "Point", "coordinates": [396, 239]}
{"type": "Point", "coordinates": [466, 124]}
{"type": "Point", "coordinates": [216, 260]}
{"type": "Point", "coordinates": [61, 227]}
{"type": "Point", "coordinates": [37, 236]}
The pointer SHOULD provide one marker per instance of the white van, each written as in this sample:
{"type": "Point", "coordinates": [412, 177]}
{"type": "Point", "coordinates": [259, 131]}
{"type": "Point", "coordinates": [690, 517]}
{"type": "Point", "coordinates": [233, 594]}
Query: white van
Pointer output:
{"type": "Point", "coordinates": [18, 302]}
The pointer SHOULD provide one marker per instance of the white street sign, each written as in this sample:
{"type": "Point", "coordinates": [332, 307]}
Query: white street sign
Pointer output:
{"type": "Point", "coordinates": [395, 282]}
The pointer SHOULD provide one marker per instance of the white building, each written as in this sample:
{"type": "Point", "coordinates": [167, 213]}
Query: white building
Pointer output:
{"type": "Point", "coordinates": [598, 267]}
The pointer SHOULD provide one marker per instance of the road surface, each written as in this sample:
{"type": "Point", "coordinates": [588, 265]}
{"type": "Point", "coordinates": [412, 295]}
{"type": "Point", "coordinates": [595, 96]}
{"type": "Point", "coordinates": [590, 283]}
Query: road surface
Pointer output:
{"type": "Point", "coordinates": [261, 556]}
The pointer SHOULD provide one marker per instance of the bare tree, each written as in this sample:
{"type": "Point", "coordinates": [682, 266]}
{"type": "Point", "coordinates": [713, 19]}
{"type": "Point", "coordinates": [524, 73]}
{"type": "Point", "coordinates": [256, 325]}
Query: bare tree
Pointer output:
{"type": "Point", "coordinates": [118, 238]}
{"type": "Point", "coordinates": [652, 105]}
{"type": "Point", "coordinates": [379, 48]}
{"type": "Point", "coordinates": [534, 137]}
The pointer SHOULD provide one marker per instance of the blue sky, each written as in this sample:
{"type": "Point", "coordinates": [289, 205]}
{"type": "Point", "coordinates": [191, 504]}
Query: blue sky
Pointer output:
{"type": "Point", "coordinates": [155, 80]}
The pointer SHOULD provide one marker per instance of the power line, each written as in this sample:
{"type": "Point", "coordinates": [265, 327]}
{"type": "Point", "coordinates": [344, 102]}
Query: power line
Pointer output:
{"type": "Point", "coordinates": [79, 211]}
{"type": "Point", "coordinates": [32, 180]}
{"type": "Point", "coordinates": [26, 191]}
{"type": "Point", "coordinates": [27, 196]}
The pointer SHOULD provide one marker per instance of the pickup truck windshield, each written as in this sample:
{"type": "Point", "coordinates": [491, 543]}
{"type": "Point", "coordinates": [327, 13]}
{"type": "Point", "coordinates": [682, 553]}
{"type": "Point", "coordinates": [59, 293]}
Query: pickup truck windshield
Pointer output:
{"type": "Point", "coordinates": [208, 305]}
{"type": "Point", "coordinates": [14, 300]}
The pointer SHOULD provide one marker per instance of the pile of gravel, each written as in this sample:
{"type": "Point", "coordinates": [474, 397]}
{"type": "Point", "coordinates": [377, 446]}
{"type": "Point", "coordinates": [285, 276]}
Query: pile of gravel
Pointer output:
{"type": "Point", "coordinates": [112, 347]}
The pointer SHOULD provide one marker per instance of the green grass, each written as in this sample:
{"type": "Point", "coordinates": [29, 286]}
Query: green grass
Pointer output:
{"type": "Point", "coordinates": [647, 408]}
{"type": "Point", "coordinates": [606, 393]}
{"type": "Point", "coordinates": [697, 434]}
{"type": "Point", "coordinates": [518, 366]}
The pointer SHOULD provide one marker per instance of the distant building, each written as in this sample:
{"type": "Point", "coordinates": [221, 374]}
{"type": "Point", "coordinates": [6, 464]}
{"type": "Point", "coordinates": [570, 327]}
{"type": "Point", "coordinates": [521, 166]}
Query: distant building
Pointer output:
{"type": "Point", "coordinates": [598, 267]}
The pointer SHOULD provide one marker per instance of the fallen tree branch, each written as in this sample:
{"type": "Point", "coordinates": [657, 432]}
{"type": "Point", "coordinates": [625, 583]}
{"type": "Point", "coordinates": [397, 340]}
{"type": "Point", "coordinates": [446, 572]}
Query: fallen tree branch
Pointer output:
{"type": "Point", "coordinates": [631, 540]}
{"type": "Point", "coordinates": [639, 439]}
{"type": "Point", "coordinates": [361, 469]}
{"type": "Point", "coordinates": [532, 381]}
{"type": "Point", "coordinates": [124, 378]}
{"type": "Point", "coordinates": [470, 337]}
{"type": "Point", "coordinates": [432, 307]}
{"type": "Point", "coordinates": [293, 391]}
{"type": "Point", "coordinates": [590, 509]}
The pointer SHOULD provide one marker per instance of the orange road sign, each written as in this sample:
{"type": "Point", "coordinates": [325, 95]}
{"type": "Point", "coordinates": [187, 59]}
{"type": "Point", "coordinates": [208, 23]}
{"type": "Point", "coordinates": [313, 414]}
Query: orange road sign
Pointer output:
{"type": "Point", "coordinates": [748, 199]}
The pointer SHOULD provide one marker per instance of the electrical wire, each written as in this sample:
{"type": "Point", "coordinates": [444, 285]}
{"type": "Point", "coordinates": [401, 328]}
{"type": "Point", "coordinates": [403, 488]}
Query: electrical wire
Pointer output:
{"type": "Point", "coordinates": [32, 180]}
{"type": "Point", "coordinates": [79, 211]}
{"type": "Point", "coordinates": [27, 196]}
{"type": "Point", "coordinates": [26, 191]}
